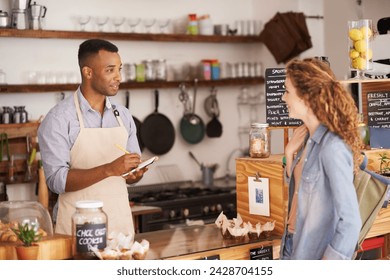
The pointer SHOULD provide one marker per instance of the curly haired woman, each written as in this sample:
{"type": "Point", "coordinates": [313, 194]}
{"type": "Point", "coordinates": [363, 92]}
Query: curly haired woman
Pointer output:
{"type": "Point", "coordinates": [321, 157]}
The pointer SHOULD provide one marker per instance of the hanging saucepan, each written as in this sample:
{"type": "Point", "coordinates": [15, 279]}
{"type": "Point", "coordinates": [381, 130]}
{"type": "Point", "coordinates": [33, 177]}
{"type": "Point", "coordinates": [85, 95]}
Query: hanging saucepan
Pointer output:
{"type": "Point", "coordinates": [157, 131]}
{"type": "Point", "coordinates": [192, 127]}
{"type": "Point", "coordinates": [137, 122]}
{"type": "Point", "coordinates": [214, 127]}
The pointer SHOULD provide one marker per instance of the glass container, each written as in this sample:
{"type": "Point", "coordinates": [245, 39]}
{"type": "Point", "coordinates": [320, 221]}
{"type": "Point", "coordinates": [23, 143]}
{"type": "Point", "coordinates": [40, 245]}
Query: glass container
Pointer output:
{"type": "Point", "coordinates": [259, 141]}
{"type": "Point", "coordinates": [31, 212]}
{"type": "Point", "coordinates": [89, 228]}
{"type": "Point", "coordinates": [360, 54]}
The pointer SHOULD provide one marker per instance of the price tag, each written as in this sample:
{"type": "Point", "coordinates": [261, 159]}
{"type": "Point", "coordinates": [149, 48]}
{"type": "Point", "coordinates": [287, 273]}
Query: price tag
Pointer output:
{"type": "Point", "coordinates": [263, 253]}
{"type": "Point", "coordinates": [258, 196]}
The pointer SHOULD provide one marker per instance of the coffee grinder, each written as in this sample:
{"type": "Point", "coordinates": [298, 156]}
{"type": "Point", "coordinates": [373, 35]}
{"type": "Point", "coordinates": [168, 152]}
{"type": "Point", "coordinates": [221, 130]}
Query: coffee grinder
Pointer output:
{"type": "Point", "coordinates": [19, 18]}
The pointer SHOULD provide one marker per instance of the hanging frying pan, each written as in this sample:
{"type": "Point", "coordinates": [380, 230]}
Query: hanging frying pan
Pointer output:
{"type": "Point", "coordinates": [192, 127]}
{"type": "Point", "coordinates": [137, 122]}
{"type": "Point", "coordinates": [157, 131]}
{"type": "Point", "coordinates": [214, 127]}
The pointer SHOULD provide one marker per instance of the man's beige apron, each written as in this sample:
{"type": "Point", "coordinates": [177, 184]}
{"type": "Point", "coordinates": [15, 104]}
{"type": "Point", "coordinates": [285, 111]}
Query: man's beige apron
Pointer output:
{"type": "Point", "coordinates": [94, 147]}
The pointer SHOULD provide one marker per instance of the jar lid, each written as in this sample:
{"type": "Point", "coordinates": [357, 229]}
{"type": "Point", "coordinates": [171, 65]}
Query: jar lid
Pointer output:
{"type": "Point", "coordinates": [89, 204]}
{"type": "Point", "coordinates": [260, 125]}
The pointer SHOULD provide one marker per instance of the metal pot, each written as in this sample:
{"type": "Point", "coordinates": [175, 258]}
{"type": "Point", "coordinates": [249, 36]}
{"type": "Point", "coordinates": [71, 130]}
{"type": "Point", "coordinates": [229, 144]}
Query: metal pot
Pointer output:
{"type": "Point", "coordinates": [207, 171]}
{"type": "Point", "coordinates": [4, 19]}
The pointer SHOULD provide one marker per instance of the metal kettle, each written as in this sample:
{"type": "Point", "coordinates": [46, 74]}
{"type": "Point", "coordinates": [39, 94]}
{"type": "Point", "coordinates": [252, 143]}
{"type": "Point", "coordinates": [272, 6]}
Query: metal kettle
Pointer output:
{"type": "Point", "coordinates": [4, 19]}
{"type": "Point", "coordinates": [36, 15]}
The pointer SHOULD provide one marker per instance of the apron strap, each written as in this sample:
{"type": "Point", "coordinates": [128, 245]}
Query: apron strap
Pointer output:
{"type": "Point", "coordinates": [118, 117]}
{"type": "Point", "coordinates": [79, 115]}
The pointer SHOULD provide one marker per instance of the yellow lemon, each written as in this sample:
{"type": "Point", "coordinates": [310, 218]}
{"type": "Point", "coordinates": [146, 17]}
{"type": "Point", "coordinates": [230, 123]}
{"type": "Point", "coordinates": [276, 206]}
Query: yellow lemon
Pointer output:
{"type": "Point", "coordinates": [367, 54]}
{"type": "Point", "coordinates": [353, 53]}
{"type": "Point", "coordinates": [355, 34]}
{"type": "Point", "coordinates": [359, 63]}
{"type": "Point", "coordinates": [366, 32]}
{"type": "Point", "coordinates": [360, 46]}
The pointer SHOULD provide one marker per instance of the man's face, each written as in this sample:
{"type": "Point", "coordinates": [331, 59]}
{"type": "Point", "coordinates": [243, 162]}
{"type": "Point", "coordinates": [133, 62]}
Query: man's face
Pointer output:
{"type": "Point", "coordinates": [106, 73]}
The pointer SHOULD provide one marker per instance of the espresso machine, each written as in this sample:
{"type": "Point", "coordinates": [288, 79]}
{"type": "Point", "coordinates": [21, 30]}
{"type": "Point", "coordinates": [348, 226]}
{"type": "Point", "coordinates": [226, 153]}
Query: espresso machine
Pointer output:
{"type": "Point", "coordinates": [19, 17]}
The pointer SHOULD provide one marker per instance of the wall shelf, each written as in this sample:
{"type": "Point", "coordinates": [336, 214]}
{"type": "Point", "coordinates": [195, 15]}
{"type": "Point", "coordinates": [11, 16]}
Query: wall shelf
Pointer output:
{"type": "Point", "coordinates": [33, 88]}
{"type": "Point", "coordinates": [57, 34]}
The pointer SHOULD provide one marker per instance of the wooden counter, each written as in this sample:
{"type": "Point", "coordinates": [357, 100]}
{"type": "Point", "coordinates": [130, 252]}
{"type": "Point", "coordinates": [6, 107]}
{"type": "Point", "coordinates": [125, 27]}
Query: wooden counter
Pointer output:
{"type": "Point", "coordinates": [198, 242]}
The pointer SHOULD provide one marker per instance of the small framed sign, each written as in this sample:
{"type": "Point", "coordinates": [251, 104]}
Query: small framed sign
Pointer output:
{"type": "Point", "coordinates": [263, 253]}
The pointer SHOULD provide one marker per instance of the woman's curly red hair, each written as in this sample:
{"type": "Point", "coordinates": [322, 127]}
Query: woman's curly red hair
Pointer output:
{"type": "Point", "coordinates": [331, 103]}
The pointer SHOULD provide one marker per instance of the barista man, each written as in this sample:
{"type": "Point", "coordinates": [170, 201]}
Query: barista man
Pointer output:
{"type": "Point", "coordinates": [78, 139]}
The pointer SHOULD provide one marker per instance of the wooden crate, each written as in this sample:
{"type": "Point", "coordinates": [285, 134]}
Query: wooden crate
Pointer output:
{"type": "Point", "coordinates": [267, 168]}
{"type": "Point", "coordinates": [17, 134]}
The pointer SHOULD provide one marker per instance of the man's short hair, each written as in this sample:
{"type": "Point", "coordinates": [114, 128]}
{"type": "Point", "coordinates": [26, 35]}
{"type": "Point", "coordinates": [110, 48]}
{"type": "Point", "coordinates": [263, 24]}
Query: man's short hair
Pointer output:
{"type": "Point", "coordinates": [92, 47]}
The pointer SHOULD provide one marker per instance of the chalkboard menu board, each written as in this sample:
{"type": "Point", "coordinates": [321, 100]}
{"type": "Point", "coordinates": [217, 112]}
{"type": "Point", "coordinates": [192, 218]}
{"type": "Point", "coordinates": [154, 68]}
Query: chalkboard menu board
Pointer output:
{"type": "Point", "coordinates": [277, 112]}
{"type": "Point", "coordinates": [378, 109]}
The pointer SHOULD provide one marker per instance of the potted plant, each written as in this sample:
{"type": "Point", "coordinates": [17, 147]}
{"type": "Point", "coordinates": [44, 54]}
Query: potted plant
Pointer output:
{"type": "Point", "coordinates": [384, 165]}
{"type": "Point", "coordinates": [28, 235]}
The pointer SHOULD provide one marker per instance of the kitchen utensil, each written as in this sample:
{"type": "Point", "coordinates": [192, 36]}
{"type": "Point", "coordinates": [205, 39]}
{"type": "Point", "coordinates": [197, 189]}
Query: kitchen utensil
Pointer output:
{"type": "Point", "coordinates": [207, 171]}
{"type": "Point", "coordinates": [19, 19]}
{"type": "Point", "coordinates": [214, 127]}
{"type": "Point", "coordinates": [191, 125]}
{"type": "Point", "coordinates": [157, 132]}
{"type": "Point", "coordinates": [138, 123]}
{"type": "Point", "coordinates": [383, 25]}
{"type": "Point", "coordinates": [4, 143]}
{"type": "Point", "coordinates": [208, 174]}
{"type": "Point", "coordinates": [194, 158]}
{"type": "Point", "coordinates": [43, 190]}
{"type": "Point", "coordinates": [36, 14]}
{"type": "Point", "coordinates": [4, 19]}
{"type": "Point", "coordinates": [208, 102]}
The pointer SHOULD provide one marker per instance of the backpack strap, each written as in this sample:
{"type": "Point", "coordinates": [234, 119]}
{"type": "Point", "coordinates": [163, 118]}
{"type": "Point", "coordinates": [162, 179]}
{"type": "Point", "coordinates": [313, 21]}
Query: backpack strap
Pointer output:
{"type": "Point", "coordinates": [364, 163]}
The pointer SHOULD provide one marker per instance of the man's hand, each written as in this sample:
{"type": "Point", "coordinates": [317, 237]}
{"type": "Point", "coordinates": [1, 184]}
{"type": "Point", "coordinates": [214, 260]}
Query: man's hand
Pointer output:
{"type": "Point", "coordinates": [124, 164]}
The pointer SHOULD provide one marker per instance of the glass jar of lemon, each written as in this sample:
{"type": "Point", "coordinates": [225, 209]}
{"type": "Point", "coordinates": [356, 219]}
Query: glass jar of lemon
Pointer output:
{"type": "Point", "coordinates": [360, 36]}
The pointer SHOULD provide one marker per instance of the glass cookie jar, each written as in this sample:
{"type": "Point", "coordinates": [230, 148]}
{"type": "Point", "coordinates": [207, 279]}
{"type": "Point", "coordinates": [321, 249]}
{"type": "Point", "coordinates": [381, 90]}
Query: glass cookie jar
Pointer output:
{"type": "Point", "coordinates": [259, 141]}
{"type": "Point", "coordinates": [89, 228]}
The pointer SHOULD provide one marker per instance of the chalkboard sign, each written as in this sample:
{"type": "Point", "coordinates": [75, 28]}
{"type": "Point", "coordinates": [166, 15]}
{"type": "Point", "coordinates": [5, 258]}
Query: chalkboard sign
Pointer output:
{"type": "Point", "coordinates": [263, 253]}
{"type": "Point", "coordinates": [213, 257]}
{"type": "Point", "coordinates": [378, 109]}
{"type": "Point", "coordinates": [90, 235]}
{"type": "Point", "coordinates": [276, 109]}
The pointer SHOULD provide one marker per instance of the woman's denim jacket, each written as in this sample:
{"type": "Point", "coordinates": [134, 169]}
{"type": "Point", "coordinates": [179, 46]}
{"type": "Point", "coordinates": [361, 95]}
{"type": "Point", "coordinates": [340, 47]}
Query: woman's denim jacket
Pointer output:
{"type": "Point", "coordinates": [328, 220]}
